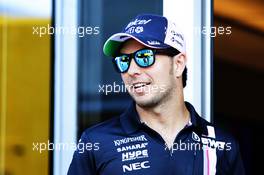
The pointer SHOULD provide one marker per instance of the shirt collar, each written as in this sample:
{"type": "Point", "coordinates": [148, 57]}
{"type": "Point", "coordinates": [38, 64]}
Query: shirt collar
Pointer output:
{"type": "Point", "coordinates": [130, 120]}
{"type": "Point", "coordinates": [197, 122]}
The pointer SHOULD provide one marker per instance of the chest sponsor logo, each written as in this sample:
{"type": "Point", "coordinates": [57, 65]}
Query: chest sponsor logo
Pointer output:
{"type": "Point", "coordinates": [195, 137]}
{"type": "Point", "coordinates": [136, 166]}
{"type": "Point", "coordinates": [210, 142]}
{"type": "Point", "coordinates": [132, 155]}
{"type": "Point", "coordinates": [132, 147]}
{"type": "Point", "coordinates": [127, 140]}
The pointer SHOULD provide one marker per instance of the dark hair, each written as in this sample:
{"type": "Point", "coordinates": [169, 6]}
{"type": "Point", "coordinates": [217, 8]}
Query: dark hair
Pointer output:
{"type": "Point", "coordinates": [172, 52]}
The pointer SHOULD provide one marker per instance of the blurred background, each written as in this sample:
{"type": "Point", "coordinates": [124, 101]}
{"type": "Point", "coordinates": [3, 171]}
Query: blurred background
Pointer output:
{"type": "Point", "coordinates": [239, 76]}
{"type": "Point", "coordinates": [25, 65]}
{"type": "Point", "coordinates": [28, 68]}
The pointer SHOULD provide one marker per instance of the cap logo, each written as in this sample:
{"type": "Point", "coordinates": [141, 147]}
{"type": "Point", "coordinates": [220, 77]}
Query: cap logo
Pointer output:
{"type": "Point", "coordinates": [175, 40]}
{"type": "Point", "coordinates": [175, 36]}
{"type": "Point", "coordinates": [153, 42]}
{"type": "Point", "coordinates": [137, 29]}
{"type": "Point", "coordinates": [138, 22]}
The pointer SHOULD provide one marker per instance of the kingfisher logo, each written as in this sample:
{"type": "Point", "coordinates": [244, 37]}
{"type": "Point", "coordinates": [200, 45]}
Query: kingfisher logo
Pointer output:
{"type": "Point", "coordinates": [136, 166]}
{"type": "Point", "coordinates": [127, 140]}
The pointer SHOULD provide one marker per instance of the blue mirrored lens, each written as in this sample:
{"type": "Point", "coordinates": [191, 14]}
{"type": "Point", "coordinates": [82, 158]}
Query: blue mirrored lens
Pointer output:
{"type": "Point", "coordinates": [122, 63]}
{"type": "Point", "coordinates": [144, 58]}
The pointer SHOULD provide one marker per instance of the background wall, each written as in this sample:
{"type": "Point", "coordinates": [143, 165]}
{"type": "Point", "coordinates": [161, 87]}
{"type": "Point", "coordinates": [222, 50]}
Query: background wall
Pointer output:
{"type": "Point", "coordinates": [24, 92]}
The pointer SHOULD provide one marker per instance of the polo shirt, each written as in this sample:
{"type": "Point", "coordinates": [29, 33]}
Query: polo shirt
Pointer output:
{"type": "Point", "coordinates": [125, 146]}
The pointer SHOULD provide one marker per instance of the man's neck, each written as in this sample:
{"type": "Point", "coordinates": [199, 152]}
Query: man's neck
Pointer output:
{"type": "Point", "coordinates": [167, 119]}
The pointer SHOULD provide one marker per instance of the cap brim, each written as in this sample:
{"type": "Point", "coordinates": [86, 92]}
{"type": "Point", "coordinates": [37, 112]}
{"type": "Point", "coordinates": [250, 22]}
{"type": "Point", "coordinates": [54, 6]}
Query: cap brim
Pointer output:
{"type": "Point", "coordinates": [112, 45]}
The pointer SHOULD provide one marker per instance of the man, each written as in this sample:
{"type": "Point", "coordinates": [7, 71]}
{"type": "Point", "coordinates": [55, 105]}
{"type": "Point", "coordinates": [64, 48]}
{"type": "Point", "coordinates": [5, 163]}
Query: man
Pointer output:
{"type": "Point", "coordinates": [159, 133]}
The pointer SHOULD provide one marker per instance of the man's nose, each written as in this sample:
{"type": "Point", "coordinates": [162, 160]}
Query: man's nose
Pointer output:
{"type": "Point", "coordinates": [134, 69]}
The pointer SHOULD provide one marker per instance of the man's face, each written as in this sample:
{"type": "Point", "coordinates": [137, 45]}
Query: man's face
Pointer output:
{"type": "Point", "coordinates": [149, 86]}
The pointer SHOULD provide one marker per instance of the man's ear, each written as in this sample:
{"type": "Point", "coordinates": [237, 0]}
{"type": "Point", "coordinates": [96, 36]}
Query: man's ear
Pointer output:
{"type": "Point", "coordinates": [179, 62]}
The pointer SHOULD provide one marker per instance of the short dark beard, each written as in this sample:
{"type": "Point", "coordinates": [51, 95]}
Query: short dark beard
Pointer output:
{"type": "Point", "coordinates": [162, 98]}
{"type": "Point", "coordinates": [158, 100]}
